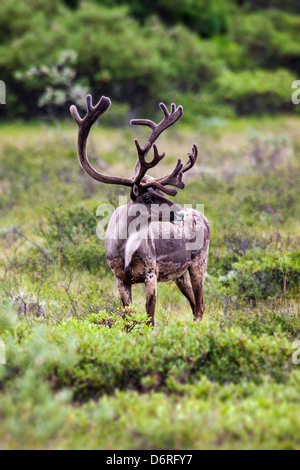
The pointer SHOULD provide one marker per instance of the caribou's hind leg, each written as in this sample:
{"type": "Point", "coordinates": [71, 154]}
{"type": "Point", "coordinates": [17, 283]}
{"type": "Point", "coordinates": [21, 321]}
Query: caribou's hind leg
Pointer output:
{"type": "Point", "coordinates": [125, 292]}
{"type": "Point", "coordinates": [197, 274]}
{"type": "Point", "coordinates": [184, 285]}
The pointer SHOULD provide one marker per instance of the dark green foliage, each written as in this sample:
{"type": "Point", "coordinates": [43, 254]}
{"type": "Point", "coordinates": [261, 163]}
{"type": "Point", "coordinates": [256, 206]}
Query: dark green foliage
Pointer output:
{"type": "Point", "coordinates": [268, 40]}
{"type": "Point", "coordinates": [206, 18]}
{"type": "Point", "coordinates": [73, 4]}
{"type": "Point", "coordinates": [257, 91]}
{"type": "Point", "coordinates": [289, 5]}
{"type": "Point", "coordinates": [261, 274]}
{"type": "Point", "coordinates": [268, 320]}
{"type": "Point", "coordinates": [217, 57]}
{"type": "Point", "coordinates": [102, 361]}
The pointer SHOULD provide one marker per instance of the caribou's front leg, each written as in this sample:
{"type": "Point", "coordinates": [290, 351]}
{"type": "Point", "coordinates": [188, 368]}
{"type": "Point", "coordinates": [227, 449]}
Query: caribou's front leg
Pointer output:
{"type": "Point", "coordinates": [151, 289]}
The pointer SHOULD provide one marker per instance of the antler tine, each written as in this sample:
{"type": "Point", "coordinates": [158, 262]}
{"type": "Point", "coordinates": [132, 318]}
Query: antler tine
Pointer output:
{"type": "Point", "coordinates": [192, 159]}
{"type": "Point", "coordinates": [93, 112]}
{"type": "Point", "coordinates": [75, 115]}
{"type": "Point", "coordinates": [84, 126]}
{"type": "Point", "coordinates": [143, 122]}
{"type": "Point", "coordinates": [89, 103]}
{"type": "Point", "coordinates": [175, 178]}
{"type": "Point", "coordinates": [156, 184]}
{"type": "Point", "coordinates": [141, 151]}
{"type": "Point", "coordinates": [142, 165]}
{"type": "Point", "coordinates": [169, 119]}
{"type": "Point", "coordinates": [165, 109]}
{"type": "Point", "coordinates": [142, 154]}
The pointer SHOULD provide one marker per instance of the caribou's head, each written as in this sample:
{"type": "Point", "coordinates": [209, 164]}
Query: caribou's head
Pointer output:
{"type": "Point", "coordinates": [144, 189]}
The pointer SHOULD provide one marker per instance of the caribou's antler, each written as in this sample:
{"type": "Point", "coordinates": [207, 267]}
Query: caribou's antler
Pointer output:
{"type": "Point", "coordinates": [84, 127]}
{"type": "Point", "coordinates": [174, 178]}
{"type": "Point", "coordinates": [142, 166]}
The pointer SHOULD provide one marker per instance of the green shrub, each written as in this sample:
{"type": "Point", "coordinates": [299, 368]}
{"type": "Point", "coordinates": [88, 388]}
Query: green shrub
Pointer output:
{"type": "Point", "coordinates": [290, 5]}
{"type": "Point", "coordinates": [268, 39]}
{"type": "Point", "coordinates": [93, 359]}
{"type": "Point", "coordinates": [206, 18]}
{"type": "Point", "coordinates": [137, 52]}
{"type": "Point", "coordinates": [258, 90]}
{"type": "Point", "coordinates": [254, 268]}
{"type": "Point", "coordinates": [70, 236]}
{"type": "Point", "coordinates": [262, 273]}
{"type": "Point", "coordinates": [207, 417]}
{"type": "Point", "coordinates": [277, 316]}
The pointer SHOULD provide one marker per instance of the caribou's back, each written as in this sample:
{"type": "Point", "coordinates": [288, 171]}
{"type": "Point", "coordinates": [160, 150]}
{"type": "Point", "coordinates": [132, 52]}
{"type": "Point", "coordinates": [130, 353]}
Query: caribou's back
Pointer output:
{"type": "Point", "coordinates": [168, 248]}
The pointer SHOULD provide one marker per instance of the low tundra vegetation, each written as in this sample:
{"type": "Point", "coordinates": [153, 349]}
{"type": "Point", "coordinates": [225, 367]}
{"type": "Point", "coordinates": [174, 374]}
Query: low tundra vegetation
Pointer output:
{"type": "Point", "coordinates": [213, 384]}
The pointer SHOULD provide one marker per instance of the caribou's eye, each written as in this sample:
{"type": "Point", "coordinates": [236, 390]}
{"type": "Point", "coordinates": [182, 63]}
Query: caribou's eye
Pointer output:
{"type": "Point", "coordinates": [147, 199]}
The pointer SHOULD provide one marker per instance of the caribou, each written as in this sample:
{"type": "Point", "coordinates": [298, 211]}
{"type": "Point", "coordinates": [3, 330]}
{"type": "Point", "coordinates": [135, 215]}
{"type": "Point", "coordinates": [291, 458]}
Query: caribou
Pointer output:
{"type": "Point", "coordinates": [151, 239]}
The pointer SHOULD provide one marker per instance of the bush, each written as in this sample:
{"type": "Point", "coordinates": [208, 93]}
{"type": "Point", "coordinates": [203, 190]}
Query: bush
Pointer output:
{"type": "Point", "coordinates": [70, 237]}
{"type": "Point", "coordinates": [290, 5]}
{"type": "Point", "coordinates": [139, 52]}
{"type": "Point", "coordinates": [204, 17]}
{"type": "Point", "coordinates": [268, 39]}
{"type": "Point", "coordinates": [93, 359]}
{"type": "Point", "coordinates": [224, 379]}
{"type": "Point", "coordinates": [257, 91]}
{"type": "Point", "coordinates": [260, 275]}
{"type": "Point", "coordinates": [253, 268]}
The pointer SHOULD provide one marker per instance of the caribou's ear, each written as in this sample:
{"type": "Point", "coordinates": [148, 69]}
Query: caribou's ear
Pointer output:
{"type": "Point", "coordinates": [134, 192]}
